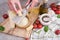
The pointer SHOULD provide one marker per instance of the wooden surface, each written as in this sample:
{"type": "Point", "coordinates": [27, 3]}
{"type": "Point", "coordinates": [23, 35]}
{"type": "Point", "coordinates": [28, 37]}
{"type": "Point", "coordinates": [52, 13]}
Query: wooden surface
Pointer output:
{"type": "Point", "coordinates": [33, 14]}
{"type": "Point", "coordinates": [15, 31]}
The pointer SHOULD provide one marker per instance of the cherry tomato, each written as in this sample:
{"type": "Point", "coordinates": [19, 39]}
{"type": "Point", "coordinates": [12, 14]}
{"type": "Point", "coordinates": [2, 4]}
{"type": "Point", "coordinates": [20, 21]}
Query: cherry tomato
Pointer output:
{"type": "Point", "coordinates": [37, 22]}
{"type": "Point", "coordinates": [34, 26]}
{"type": "Point", "coordinates": [5, 16]}
{"type": "Point", "coordinates": [54, 8]}
{"type": "Point", "coordinates": [58, 6]}
{"type": "Point", "coordinates": [53, 5]}
{"type": "Point", "coordinates": [57, 32]}
{"type": "Point", "coordinates": [27, 39]}
{"type": "Point", "coordinates": [57, 11]}
{"type": "Point", "coordinates": [39, 26]}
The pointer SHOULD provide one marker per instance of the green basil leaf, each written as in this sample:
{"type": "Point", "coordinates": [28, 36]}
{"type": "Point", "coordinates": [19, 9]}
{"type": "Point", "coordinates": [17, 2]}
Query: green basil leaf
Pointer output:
{"type": "Point", "coordinates": [2, 28]}
{"type": "Point", "coordinates": [46, 28]}
{"type": "Point", "coordinates": [58, 16]}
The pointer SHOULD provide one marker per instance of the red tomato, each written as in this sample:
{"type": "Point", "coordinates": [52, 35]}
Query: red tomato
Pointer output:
{"type": "Point", "coordinates": [37, 22]}
{"type": "Point", "coordinates": [53, 5]}
{"type": "Point", "coordinates": [54, 8]}
{"type": "Point", "coordinates": [34, 26]}
{"type": "Point", "coordinates": [57, 11]}
{"type": "Point", "coordinates": [39, 26]}
{"type": "Point", "coordinates": [5, 16]}
{"type": "Point", "coordinates": [58, 6]}
{"type": "Point", "coordinates": [57, 32]}
{"type": "Point", "coordinates": [27, 39]}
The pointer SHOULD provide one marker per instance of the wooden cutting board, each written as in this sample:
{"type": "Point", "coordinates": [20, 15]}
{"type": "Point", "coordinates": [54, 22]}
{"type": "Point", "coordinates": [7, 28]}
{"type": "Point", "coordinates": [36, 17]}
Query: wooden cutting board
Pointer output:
{"type": "Point", "coordinates": [21, 32]}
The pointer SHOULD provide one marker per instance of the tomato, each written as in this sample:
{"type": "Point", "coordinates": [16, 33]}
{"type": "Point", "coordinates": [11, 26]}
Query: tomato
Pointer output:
{"type": "Point", "coordinates": [57, 32]}
{"type": "Point", "coordinates": [57, 11]}
{"type": "Point", "coordinates": [53, 5]}
{"type": "Point", "coordinates": [34, 26]}
{"type": "Point", "coordinates": [37, 22]}
{"type": "Point", "coordinates": [5, 16]}
{"type": "Point", "coordinates": [27, 39]}
{"type": "Point", "coordinates": [39, 26]}
{"type": "Point", "coordinates": [54, 8]}
{"type": "Point", "coordinates": [58, 6]}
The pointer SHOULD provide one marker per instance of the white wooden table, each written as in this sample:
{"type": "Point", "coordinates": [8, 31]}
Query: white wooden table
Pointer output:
{"type": "Point", "coordinates": [8, 37]}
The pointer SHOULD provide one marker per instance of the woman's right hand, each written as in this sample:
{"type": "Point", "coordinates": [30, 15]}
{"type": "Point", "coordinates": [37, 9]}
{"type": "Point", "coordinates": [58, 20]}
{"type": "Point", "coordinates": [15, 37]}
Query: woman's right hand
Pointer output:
{"type": "Point", "coordinates": [15, 5]}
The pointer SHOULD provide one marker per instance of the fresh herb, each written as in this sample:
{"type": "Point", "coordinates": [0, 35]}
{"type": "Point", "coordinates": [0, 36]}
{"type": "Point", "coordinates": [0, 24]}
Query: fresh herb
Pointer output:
{"type": "Point", "coordinates": [2, 28]}
{"type": "Point", "coordinates": [58, 16]}
{"type": "Point", "coordinates": [45, 28]}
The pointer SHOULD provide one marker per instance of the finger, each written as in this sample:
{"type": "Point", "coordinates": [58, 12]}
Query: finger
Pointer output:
{"type": "Point", "coordinates": [15, 4]}
{"type": "Point", "coordinates": [20, 8]}
{"type": "Point", "coordinates": [27, 2]}
{"type": "Point", "coordinates": [10, 5]}
{"type": "Point", "coordinates": [33, 3]}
